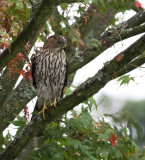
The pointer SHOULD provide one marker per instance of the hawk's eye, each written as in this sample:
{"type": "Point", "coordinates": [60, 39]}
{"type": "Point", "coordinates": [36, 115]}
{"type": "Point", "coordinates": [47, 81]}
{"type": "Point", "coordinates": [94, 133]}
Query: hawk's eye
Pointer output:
{"type": "Point", "coordinates": [59, 41]}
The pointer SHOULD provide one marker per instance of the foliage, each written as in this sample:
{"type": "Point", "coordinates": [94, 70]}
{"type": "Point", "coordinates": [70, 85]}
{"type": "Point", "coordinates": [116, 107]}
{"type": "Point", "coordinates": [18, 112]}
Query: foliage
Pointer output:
{"type": "Point", "coordinates": [14, 70]}
{"type": "Point", "coordinates": [125, 79]}
{"type": "Point", "coordinates": [14, 16]}
{"type": "Point", "coordinates": [20, 122]}
{"type": "Point", "coordinates": [95, 43]}
{"type": "Point", "coordinates": [80, 137]}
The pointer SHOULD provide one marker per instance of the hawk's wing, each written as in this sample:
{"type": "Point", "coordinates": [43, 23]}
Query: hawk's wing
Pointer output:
{"type": "Point", "coordinates": [66, 79]}
{"type": "Point", "coordinates": [33, 59]}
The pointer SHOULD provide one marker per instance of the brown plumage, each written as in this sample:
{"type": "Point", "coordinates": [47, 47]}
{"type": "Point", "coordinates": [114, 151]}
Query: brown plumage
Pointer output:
{"type": "Point", "coordinates": [49, 70]}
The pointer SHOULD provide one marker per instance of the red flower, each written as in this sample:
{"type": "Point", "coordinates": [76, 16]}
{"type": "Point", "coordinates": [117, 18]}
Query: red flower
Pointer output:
{"type": "Point", "coordinates": [113, 140]}
{"type": "Point", "coordinates": [138, 4]}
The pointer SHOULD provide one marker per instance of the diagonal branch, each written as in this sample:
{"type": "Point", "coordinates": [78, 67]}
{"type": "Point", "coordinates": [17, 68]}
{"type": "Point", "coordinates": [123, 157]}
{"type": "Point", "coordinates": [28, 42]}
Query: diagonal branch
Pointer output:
{"type": "Point", "coordinates": [136, 63]}
{"type": "Point", "coordinates": [16, 102]}
{"type": "Point", "coordinates": [136, 20]}
{"type": "Point", "coordinates": [131, 23]}
{"type": "Point", "coordinates": [84, 91]}
{"type": "Point", "coordinates": [108, 39]}
{"type": "Point", "coordinates": [90, 54]}
{"type": "Point", "coordinates": [7, 81]}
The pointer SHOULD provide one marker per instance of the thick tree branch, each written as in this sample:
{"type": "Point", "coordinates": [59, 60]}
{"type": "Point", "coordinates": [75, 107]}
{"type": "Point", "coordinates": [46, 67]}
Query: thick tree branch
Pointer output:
{"type": "Point", "coordinates": [90, 54]}
{"type": "Point", "coordinates": [134, 21]}
{"type": "Point", "coordinates": [16, 102]}
{"type": "Point", "coordinates": [93, 23]}
{"type": "Point", "coordinates": [34, 143]}
{"type": "Point", "coordinates": [136, 63]}
{"type": "Point", "coordinates": [31, 29]}
{"type": "Point", "coordinates": [109, 38]}
{"type": "Point", "coordinates": [84, 91]}
{"type": "Point", "coordinates": [133, 31]}
{"type": "Point", "coordinates": [7, 80]}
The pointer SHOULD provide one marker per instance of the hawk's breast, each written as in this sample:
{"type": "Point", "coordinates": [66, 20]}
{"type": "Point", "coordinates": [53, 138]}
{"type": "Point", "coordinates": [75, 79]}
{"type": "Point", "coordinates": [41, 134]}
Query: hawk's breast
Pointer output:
{"type": "Point", "coordinates": [50, 74]}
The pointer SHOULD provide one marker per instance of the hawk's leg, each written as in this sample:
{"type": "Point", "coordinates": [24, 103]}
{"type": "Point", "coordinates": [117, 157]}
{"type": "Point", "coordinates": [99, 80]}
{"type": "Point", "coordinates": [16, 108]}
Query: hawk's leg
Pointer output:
{"type": "Point", "coordinates": [54, 103]}
{"type": "Point", "coordinates": [43, 110]}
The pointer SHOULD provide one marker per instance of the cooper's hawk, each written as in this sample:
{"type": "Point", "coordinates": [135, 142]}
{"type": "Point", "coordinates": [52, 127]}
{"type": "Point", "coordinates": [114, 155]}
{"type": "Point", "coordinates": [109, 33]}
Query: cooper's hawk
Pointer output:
{"type": "Point", "coordinates": [49, 72]}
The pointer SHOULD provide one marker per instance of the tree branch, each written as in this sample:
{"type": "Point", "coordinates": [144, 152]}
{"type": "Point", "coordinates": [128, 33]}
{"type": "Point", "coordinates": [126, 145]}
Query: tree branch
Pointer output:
{"type": "Point", "coordinates": [134, 21]}
{"type": "Point", "coordinates": [83, 92]}
{"type": "Point", "coordinates": [34, 143]}
{"type": "Point", "coordinates": [90, 54]}
{"type": "Point", "coordinates": [8, 81]}
{"type": "Point", "coordinates": [136, 63]}
{"type": "Point", "coordinates": [16, 102]}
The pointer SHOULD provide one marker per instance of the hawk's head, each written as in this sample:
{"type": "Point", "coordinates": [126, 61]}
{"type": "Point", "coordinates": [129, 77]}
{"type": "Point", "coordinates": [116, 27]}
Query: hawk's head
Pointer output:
{"type": "Point", "coordinates": [55, 42]}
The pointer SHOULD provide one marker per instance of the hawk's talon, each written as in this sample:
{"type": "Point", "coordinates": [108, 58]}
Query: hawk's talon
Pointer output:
{"type": "Point", "coordinates": [54, 103]}
{"type": "Point", "coordinates": [43, 110]}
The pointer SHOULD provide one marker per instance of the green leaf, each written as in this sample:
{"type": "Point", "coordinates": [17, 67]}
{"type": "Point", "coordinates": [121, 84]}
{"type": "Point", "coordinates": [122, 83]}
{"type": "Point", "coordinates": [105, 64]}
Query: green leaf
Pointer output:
{"type": "Point", "coordinates": [14, 1]}
{"type": "Point", "coordinates": [125, 79]}
{"type": "Point", "coordinates": [68, 91]}
{"type": "Point", "coordinates": [20, 122]}
{"type": "Point", "coordinates": [95, 43]}
{"type": "Point", "coordinates": [86, 2]}
{"type": "Point", "coordinates": [64, 6]}
{"type": "Point", "coordinates": [93, 102]}
{"type": "Point", "coordinates": [74, 113]}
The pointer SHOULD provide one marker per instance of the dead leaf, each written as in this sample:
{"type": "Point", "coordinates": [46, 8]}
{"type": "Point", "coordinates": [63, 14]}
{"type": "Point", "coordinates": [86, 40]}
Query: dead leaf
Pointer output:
{"type": "Point", "coordinates": [120, 57]}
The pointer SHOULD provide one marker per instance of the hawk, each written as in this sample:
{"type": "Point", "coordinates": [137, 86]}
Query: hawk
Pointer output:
{"type": "Point", "coordinates": [49, 72]}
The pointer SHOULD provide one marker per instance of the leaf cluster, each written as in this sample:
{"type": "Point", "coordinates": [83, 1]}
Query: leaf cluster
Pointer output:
{"type": "Point", "coordinates": [125, 79]}
{"type": "Point", "coordinates": [14, 15]}
{"type": "Point", "coordinates": [82, 138]}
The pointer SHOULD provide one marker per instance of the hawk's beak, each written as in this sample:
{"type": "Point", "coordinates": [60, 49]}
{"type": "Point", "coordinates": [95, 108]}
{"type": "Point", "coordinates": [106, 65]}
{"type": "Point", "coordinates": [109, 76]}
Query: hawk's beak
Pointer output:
{"type": "Point", "coordinates": [65, 43]}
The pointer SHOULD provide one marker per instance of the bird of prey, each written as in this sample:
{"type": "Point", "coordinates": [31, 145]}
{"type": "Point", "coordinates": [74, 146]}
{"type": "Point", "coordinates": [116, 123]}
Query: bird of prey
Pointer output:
{"type": "Point", "coordinates": [49, 72]}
